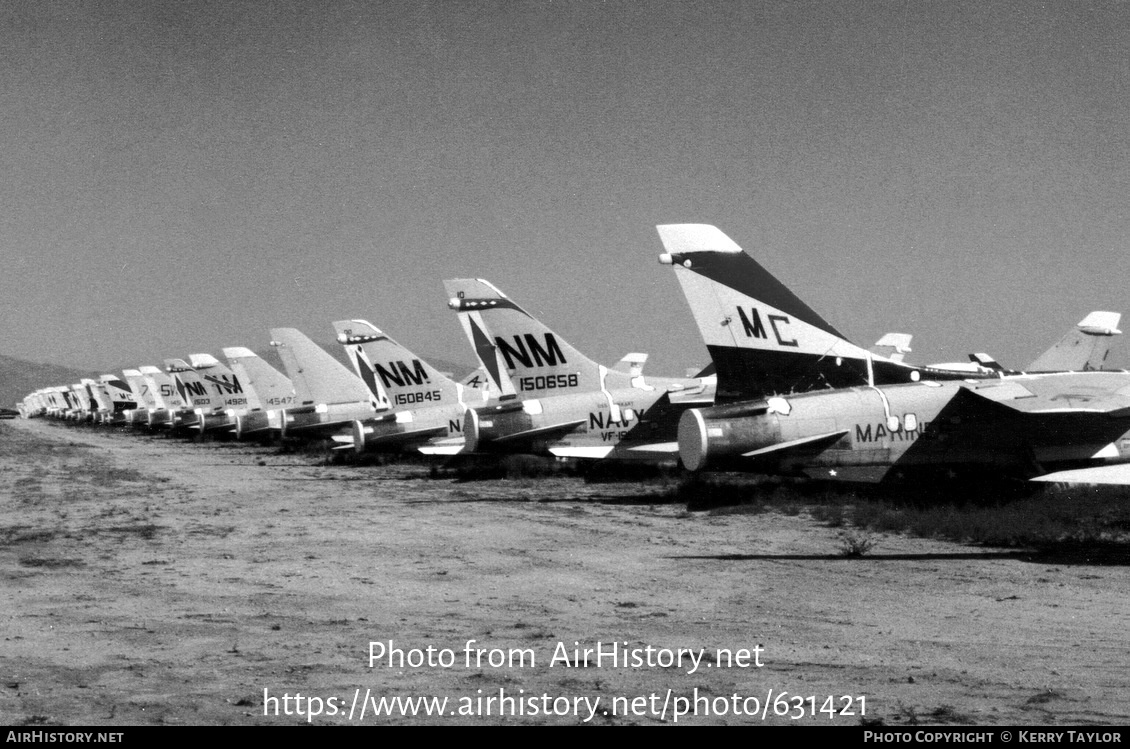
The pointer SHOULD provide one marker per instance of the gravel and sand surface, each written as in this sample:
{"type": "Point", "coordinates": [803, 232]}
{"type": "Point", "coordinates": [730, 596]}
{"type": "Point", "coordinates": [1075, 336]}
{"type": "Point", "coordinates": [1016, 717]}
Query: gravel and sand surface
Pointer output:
{"type": "Point", "coordinates": [149, 580]}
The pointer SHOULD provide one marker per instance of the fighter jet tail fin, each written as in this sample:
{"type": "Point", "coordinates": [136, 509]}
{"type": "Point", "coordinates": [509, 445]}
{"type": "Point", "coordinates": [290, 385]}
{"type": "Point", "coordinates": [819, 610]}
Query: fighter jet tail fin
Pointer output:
{"type": "Point", "coordinates": [1084, 348]}
{"type": "Point", "coordinates": [318, 378]}
{"type": "Point", "coordinates": [395, 376]}
{"type": "Point", "coordinates": [272, 389]}
{"type": "Point", "coordinates": [522, 357]}
{"type": "Point", "coordinates": [762, 337]}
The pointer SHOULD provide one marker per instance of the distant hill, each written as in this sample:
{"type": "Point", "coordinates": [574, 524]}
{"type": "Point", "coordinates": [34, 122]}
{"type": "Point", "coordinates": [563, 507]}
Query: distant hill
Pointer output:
{"type": "Point", "coordinates": [19, 377]}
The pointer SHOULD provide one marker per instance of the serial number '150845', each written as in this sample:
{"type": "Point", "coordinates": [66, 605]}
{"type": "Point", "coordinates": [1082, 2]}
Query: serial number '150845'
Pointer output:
{"type": "Point", "coordinates": [548, 382]}
{"type": "Point", "coordinates": [402, 399]}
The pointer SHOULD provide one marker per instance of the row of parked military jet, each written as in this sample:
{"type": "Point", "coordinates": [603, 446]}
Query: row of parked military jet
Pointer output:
{"type": "Point", "coordinates": [786, 392]}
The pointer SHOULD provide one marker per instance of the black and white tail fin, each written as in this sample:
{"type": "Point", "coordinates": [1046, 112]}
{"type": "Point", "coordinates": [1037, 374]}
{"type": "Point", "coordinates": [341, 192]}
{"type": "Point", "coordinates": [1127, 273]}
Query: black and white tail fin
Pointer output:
{"type": "Point", "coordinates": [140, 388]}
{"type": "Point", "coordinates": [120, 393]}
{"type": "Point", "coordinates": [272, 389]}
{"type": "Point", "coordinates": [395, 376]}
{"type": "Point", "coordinates": [521, 356]}
{"type": "Point", "coordinates": [97, 396]}
{"type": "Point", "coordinates": [163, 388]}
{"type": "Point", "coordinates": [762, 338]}
{"type": "Point", "coordinates": [222, 381]}
{"type": "Point", "coordinates": [1084, 348]}
{"type": "Point", "coordinates": [192, 386]}
{"type": "Point", "coordinates": [318, 378]}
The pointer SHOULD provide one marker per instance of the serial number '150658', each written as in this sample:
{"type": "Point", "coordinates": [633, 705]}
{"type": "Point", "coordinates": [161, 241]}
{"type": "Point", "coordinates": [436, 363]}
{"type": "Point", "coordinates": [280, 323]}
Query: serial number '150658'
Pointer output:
{"type": "Point", "coordinates": [548, 382]}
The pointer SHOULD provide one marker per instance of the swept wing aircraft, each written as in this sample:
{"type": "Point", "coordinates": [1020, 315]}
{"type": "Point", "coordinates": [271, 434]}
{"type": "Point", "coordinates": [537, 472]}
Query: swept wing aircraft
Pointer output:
{"type": "Point", "coordinates": [272, 393]}
{"type": "Point", "coordinates": [766, 341]}
{"type": "Point", "coordinates": [122, 399]}
{"type": "Point", "coordinates": [226, 388]}
{"type": "Point", "coordinates": [329, 397]}
{"type": "Point", "coordinates": [553, 398]}
{"type": "Point", "coordinates": [1022, 426]}
{"type": "Point", "coordinates": [147, 402]}
{"type": "Point", "coordinates": [207, 405]}
{"type": "Point", "coordinates": [171, 409]}
{"type": "Point", "coordinates": [1084, 348]}
{"type": "Point", "coordinates": [101, 407]}
{"type": "Point", "coordinates": [425, 408]}
{"type": "Point", "coordinates": [839, 415]}
{"type": "Point", "coordinates": [761, 337]}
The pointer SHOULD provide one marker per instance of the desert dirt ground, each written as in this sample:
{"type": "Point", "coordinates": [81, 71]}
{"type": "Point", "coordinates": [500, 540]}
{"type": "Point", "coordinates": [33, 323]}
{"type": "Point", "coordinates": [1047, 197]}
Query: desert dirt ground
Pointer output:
{"type": "Point", "coordinates": [148, 580]}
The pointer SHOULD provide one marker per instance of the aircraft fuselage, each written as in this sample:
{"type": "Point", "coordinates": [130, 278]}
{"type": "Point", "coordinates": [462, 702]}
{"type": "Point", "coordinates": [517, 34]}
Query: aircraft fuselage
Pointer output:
{"type": "Point", "coordinates": [1021, 425]}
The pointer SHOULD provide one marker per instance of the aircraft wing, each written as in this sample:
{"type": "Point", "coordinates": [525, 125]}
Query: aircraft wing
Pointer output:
{"type": "Point", "coordinates": [452, 446]}
{"type": "Point", "coordinates": [595, 452]}
{"type": "Point", "coordinates": [1020, 428]}
{"type": "Point", "coordinates": [398, 438]}
{"type": "Point", "coordinates": [553, 430]}
{"type": "Point", "coordinates": [805, 445]}
{"type": "Point", "coordinates": [1114, 474]}
{"type": "Point", "coordinates": [656, 451]}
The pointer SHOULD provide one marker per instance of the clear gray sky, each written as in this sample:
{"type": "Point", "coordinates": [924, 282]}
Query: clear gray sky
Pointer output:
{"type": "Point", "coordinates": [180, 175]}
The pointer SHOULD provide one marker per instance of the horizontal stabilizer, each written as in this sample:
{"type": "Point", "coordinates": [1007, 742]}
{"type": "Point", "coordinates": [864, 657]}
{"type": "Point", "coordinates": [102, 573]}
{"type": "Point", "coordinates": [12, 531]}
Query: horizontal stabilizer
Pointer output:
{"type": "Point", "coordinates": [548, 431]}
{"type": "Point", "coordinates": [404, 438]}
{"type": "Point", "coordinates": [200, 361]}
{"type": "Point", "coordinates": [986, 361]}
{"type": "Point", "coordinates": [590, 453]}
{"type": "Point", "coordinates": [807, 445]}
{"type": "Point", "coordinates": [657, 447]}
{"type": "Point", "coordinates": [894, 346]}
{"type": "Point", "coordinates": [631, 364]}
{"type": "Point", "coordinates": [681, 238]}
{"type": "Point", "coordinates": [443, 448]}
{"type": "Point", "coordinates": [1117, 474]}
{"type": "Point", "coordinates": [1101, 323]}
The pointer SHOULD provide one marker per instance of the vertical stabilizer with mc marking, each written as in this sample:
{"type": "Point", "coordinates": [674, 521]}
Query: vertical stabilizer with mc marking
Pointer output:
{"type": "Point", "coordinates": [120, 393]}
{"type": "Point", "coordinates": [763, 339]}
